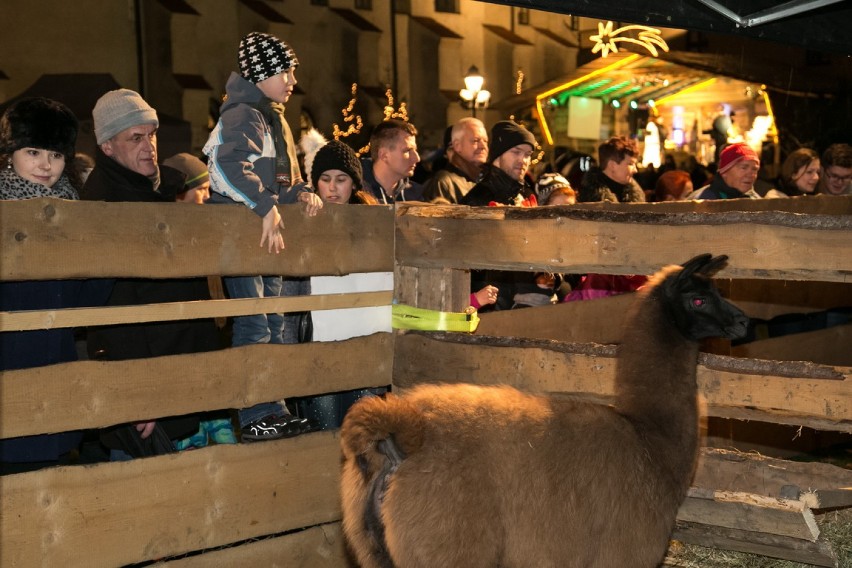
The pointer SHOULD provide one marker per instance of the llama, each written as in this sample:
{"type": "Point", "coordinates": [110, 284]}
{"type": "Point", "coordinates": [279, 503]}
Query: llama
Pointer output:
{"type": "Point", "coordinates": [464, 476]}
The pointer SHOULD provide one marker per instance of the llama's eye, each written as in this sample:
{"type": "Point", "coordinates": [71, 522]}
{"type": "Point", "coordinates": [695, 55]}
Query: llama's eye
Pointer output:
{"type": "Point", "coordinates": [698, 302]}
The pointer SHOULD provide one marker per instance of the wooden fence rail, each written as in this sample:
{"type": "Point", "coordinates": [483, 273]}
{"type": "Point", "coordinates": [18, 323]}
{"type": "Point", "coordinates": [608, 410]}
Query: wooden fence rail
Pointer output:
{"type": "Point", "coordinates": [285, 492]}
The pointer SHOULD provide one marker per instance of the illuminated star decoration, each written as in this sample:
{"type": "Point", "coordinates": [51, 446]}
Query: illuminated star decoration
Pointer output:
{"type": "Point", "coordinates": [605, 41]}
{"type": "Point", "coordinates": [349, 117]}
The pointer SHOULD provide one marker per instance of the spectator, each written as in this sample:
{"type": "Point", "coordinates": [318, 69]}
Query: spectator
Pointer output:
{"type": "Point", "coordinates": [252, 160]}
{"type": "Point", "coordinates": [126, 170]}
{"type": "Point", "coordinates": [837, 170]}
{"type": "Point", "coordinates": [673, 185]}
{"type": "Point", "coordinates": [613, 180]}
{"type": "Point", "coordinates": [553, 189]}
{"type": "Point", "coordinates": [738, 167]}
{"type": "Point", "coordinates": [800, 173]}
{"type": "Point", "coordinates": [469, 151]}
{"type": "Point", "coordinates": [335, 171]}
{"type": "Point", "coordinates": [393, 157]}
{"type": "Point", "coordinates": [196, 188]}
{"type": "Point", "coordinates": [37, 139]}
{"type": "Point", "coordinates": [216, 425]}
{"type": "Point", "coordinates": [503, 180]}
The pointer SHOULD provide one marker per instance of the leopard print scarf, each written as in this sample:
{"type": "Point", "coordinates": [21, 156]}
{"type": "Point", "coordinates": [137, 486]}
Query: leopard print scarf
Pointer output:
{"type": "Point", "coordinates": [14, 187]}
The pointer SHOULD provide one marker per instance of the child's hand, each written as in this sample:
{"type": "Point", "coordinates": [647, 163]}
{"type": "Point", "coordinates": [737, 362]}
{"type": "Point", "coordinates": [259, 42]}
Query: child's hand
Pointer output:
{"type": "Point", "coordinates": [314, 203]}
{"type": "Point", "coordinates": [487, 295]}
{"type": "Point", "coordinates": [271, 234]}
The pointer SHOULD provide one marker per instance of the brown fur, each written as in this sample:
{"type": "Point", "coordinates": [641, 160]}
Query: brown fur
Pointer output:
{"type": "Point", "coordinates": [495, 478]}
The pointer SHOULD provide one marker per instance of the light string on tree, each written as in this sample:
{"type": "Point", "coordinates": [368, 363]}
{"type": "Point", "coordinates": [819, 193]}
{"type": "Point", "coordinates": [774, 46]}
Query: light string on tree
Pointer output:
{"type": "Point", "coordinates": [390, 111]}
{"type": "Point", "coordinates": [354, 120]}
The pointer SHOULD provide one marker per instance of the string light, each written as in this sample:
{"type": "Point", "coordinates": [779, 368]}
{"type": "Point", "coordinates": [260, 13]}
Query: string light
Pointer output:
{"type": "Point", "coordinates": [400, 113]}
{"type": "Point", "coordinates": [519, 81]}
{"type": "Point", "coordinates": [349, 117]}
{"type": "Point", "coordinates": [390, 112]}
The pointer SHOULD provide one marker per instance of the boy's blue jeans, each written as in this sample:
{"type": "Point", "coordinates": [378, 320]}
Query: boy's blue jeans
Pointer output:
{"type": "Point", "coordinates": [261, 328]}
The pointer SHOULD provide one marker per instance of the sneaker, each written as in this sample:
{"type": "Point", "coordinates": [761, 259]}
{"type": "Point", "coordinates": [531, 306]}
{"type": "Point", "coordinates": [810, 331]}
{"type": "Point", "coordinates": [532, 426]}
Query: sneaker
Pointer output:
{"type": "Point", "coordinates": [272, 427]}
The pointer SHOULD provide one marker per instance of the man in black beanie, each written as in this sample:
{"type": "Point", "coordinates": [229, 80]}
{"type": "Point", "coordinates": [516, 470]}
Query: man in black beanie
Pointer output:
{"type": "Point", "coordinates": [503, 180]}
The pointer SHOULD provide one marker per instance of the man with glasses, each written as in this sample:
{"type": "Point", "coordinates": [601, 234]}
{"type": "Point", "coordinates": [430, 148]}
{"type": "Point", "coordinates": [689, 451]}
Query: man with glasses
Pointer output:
{"type": "Point", "coordinates": [837, 170]}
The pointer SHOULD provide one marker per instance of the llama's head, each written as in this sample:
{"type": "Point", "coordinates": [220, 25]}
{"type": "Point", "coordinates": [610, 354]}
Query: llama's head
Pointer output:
{"type": "Point", "coordinates": [694, 304]}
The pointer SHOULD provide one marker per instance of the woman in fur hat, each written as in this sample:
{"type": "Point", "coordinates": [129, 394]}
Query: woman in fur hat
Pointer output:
{"type": "Point", "coordinates": [37, 139]}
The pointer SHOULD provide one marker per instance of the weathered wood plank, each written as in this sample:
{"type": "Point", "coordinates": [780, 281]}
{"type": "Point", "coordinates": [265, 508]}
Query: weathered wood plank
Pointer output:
{"type": "Point", "coordinates": [441, 289]}
{"type": "Point", "coordinates": [316, 547]}
{"type": "Point", "coordinates": [94, 394]}
{"type": "Point", "coordinates": [806, 205]}
{"type": "Point", "coordinates": [173, 311]}
{"type": "Point", "coordinates": [50, 238]}
{"type": "Point", "coordinates": [597, 321]}
{"type": "Point", "coordinates": [786, 548]}
{"type": "Point", "coordinates": [747, 511]}
{"type": "Point", "coordinates": [791, 393]}
{"type": "Point", "coordinates": [107, 515]}
{"type": "Point", "coordinates": [753, 473]}
{"type": "Point", "coordinates": [828, 346]}
{"type": "Point", "coordinates": [759, 244]}
{"type": "Point", "coordinates": [602, 320]}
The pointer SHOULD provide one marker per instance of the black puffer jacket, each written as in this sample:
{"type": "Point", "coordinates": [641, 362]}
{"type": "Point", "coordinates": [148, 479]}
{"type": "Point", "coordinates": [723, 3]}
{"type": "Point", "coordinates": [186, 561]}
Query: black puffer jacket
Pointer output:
{"type": "Point", "coordinates": [110, 181]}
{"type": "Point", "coordinates": [497, 186]}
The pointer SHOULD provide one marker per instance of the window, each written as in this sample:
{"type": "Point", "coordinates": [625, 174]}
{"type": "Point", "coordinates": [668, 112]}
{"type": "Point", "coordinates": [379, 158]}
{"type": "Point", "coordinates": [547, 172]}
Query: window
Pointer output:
{"type": "Point", "coordinates": [524, 16]}
{"type": "Point", "coordinates": [449, 6]}
{"type": "Point", "coordinates": [363, 4]}
{"type": "Point", "coordinates": [319, 2]}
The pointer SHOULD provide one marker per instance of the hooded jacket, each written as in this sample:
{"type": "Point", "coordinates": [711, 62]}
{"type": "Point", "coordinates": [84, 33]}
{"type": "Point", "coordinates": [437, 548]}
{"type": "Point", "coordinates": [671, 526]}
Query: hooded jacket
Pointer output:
{"type": "Point", "coordinates": [242, 153]}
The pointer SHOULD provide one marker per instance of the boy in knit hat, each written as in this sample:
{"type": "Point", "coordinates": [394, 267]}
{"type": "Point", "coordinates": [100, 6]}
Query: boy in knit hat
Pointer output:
{"type": "Point", "coordinates": [738, 167]}
{"type": "Point", "coordinates": [252, 161]}
{"type": "Point", "coordinates": [196, 188]}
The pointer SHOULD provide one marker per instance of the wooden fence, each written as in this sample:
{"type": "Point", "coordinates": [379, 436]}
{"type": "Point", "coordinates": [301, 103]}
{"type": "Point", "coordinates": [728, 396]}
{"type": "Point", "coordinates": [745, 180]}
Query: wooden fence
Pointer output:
{"type": "Point", "coordinates": [276, 503]}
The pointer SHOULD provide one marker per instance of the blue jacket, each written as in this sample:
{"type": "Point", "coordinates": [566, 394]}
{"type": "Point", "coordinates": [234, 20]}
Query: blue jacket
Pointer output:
{"type": "Point", "coordinates": [242, 153]}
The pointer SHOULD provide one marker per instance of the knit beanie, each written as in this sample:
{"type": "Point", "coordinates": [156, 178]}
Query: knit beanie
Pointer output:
{"type": "Point", "coordinates": [39, 123]}
{"type": "Point", "coordinates": [194, 169]}
{"type": "Point", "coordinates": [337, 156]}
{"type": "Point", "coordinates": [119, 110]}
{"type": "Point", "coordinates": [505, 135]}
{"type": "Point", "coordinates": [732, 154]}
{"type": "Point", "coordinates": [547, 184]}
{"type": "Point", "coordinates": [262, 56]}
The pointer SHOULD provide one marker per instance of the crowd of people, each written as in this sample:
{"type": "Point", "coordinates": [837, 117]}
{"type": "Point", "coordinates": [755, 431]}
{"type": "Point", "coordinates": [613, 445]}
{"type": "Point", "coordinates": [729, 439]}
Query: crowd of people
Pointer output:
{"type": "Point", "coordinates": [251, 159]}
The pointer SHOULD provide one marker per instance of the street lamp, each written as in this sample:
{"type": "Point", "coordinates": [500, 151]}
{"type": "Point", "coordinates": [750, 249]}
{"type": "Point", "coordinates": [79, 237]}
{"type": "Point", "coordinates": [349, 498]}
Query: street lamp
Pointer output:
{"type": "Point", "coordinates": [473, 94]}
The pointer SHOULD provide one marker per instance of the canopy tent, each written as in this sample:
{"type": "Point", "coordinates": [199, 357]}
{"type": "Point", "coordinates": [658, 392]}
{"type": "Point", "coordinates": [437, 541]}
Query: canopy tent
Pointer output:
{"type": "Point", "coordinates": [821, 25]}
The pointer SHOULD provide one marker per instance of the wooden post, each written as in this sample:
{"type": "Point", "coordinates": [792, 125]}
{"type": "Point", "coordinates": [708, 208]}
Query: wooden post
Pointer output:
{"type": "Point", "coordinates": [443, 289]}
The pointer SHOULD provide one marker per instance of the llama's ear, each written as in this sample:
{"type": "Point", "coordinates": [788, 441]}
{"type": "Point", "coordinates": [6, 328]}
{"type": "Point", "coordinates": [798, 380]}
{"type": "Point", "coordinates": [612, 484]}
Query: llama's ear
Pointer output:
{"type": "Point", "coordinates": [695, 264]}
{"type": "Point", "coordinates": [714, 265]}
